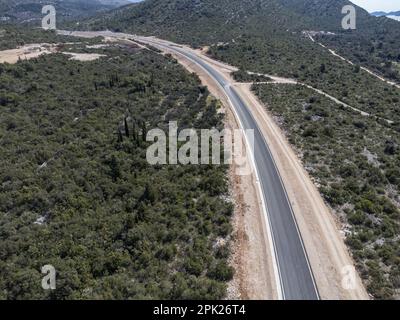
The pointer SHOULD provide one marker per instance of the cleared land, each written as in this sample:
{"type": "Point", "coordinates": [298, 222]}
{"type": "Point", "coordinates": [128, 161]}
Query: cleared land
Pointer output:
{"type": "Point", "coordinates": [26, 52]}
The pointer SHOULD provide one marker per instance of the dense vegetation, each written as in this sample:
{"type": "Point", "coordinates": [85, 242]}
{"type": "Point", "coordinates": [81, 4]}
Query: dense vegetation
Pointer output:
{"type": "Point", "coordinates": [311, 64]}
{"type": "Point", "coordinates": [30, 11]}
{"type": "Point", "coordinates": [201, 22]}
{"type": "Point", "coordinates": [378, 50]}
{"type": "Point", "coordinates": [355, 161]}
{"type": "Point", "coordinates": [375, 42]}
{"type": "Point", "coordinates": [13, 36]}
{"type": "Point", "coordinates": [77, 192]}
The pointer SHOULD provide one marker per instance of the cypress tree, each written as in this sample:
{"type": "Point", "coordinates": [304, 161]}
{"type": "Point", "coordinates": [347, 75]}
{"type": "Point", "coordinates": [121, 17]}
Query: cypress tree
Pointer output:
{"type": "Point", "coordinates": [126, 127]}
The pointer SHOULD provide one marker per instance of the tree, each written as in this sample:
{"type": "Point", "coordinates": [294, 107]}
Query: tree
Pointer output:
{"type": "Point", "coordinates": [115, 171]}
{"type": "Point", "coordinates": [126, 127]}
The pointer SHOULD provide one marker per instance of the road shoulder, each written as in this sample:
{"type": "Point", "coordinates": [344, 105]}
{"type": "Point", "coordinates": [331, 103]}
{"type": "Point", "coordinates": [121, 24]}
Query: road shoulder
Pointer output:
{"type": "Point", "coordinates": [251, 256]}
{"type": "Point", "coordinates": [328, 255]}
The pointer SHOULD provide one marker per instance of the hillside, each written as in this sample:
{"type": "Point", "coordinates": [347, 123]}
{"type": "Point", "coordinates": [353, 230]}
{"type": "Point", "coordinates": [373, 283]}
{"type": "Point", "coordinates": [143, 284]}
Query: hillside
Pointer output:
{"type": "Point", "coordinates": [207, 22]}
{"type": "Point", "coordinates": [197, 22]}
{"type": "Point", "coordinates": [30, 10]}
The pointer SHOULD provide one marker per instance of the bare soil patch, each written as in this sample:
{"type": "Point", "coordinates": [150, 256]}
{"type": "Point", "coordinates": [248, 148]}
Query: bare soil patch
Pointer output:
{"type": "Point", "coordinates": [27, 52]}
{"type": "Point", "coordinates": [84, 56]}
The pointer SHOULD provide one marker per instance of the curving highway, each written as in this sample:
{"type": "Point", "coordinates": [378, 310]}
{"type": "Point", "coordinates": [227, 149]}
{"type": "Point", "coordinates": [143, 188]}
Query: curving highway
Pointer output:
{"type": "Point", "coordinates": [295, 278]}
{"type": "Point", "coordinates": [293, 274]}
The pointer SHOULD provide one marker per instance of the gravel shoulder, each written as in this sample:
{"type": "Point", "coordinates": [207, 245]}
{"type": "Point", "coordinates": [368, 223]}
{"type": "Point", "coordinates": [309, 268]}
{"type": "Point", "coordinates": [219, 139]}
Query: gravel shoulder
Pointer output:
{"type": "Point", "coordinates": [251, 257]}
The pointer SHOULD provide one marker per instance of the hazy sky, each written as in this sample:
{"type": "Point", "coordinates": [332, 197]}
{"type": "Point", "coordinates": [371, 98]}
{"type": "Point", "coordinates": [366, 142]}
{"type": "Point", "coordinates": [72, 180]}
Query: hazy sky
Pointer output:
{"type": "Point", "coordinates": [378, 5]}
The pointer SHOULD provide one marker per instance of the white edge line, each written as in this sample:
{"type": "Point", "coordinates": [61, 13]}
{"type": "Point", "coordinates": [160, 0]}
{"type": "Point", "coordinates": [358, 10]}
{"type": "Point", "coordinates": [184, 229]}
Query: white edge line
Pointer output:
{"type": "Point", "coordinates": [296, 224]}
{"type": "Point", "coordinates": [291, 211]}
{"type": "Point", "coordinates": [275, 262]}
{"type": "Point", "coordinates": [271, 238]}
{"type": "Point", "coordinates": [265, 208]}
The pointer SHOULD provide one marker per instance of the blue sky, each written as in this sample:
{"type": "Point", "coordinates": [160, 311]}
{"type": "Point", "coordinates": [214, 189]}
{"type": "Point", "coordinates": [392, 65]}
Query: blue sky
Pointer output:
{"type": "Point", "coordinates": [378, 5]}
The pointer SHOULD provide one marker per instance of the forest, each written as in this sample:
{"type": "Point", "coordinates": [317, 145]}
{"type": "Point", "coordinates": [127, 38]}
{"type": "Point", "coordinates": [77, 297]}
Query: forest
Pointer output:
{"type": "Point", "coordinates": [29, 12]}
{"type": "Point", "coordinates": [76, 191]}
{"type": "Point", "coordinates": [13, 36]}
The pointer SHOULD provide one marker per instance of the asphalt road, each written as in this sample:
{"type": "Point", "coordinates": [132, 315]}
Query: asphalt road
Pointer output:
{"type": "Point", "coordinates": [296, 278]}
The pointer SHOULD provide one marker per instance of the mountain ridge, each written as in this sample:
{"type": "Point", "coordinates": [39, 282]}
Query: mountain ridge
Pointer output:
{"type": "Point", "coordinates": [383, 13]}
{"type": "Point", "coordinates": [31, 10]}
{"type": "Point", "coordinates": [207, 22]}
{"type": "Point", "coordinates": [147, 16]}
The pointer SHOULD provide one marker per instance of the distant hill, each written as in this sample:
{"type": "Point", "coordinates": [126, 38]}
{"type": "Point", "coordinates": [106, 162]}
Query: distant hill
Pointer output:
{"type": "Point", "coordinates": [395, 15]}
{"type": "Point", "coordinates": [382, 13]}
{"type": "Point", "coordinates": [30, 10]}
{"type": "Point", "coordinates": [206, 22]}
{"type": "Point", "coordinates": [378, 14]}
